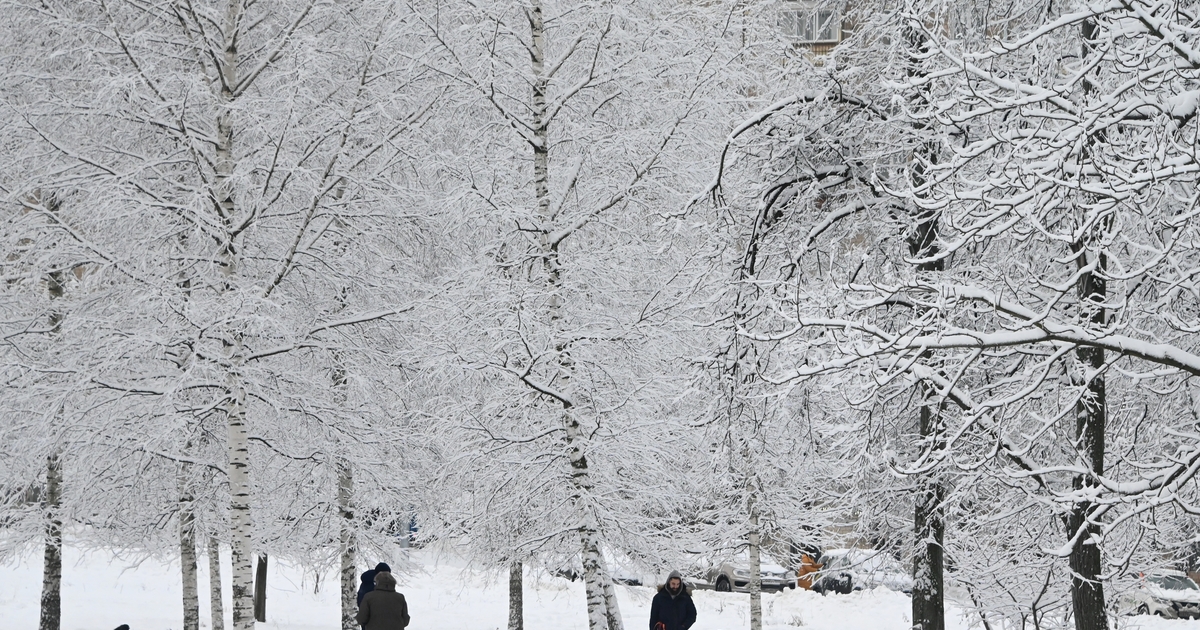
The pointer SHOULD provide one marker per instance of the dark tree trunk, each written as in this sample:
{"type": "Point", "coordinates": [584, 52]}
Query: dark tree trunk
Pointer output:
{"type": "Point", "coordinates": [51, 616]}
{"type": "Point", "coordinates": [1091, 419]}
{"type": "Point", "coordinates": [260, 590]}
{"type": "Point", "coordinates": [929, 527]}
{"type": "Point", "coordinates": [516, 597]}
{"type": "Point", "coordinates": [1091, 414]}
{"type": "Point", "coordinates": [929, 520]}
{"type": "Point", "coordinates": [216, 605]}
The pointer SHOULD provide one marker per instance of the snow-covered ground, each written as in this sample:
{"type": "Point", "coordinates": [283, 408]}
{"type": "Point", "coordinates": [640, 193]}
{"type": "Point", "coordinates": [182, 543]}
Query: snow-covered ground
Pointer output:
{"type": "Point", "coordinates": [101, 591]}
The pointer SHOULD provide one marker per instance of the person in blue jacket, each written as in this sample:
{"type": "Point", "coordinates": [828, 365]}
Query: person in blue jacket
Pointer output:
{"type": "Point", "coordinates": [672, 608]}
{"type": "Point", "coordinates": [367, 581]}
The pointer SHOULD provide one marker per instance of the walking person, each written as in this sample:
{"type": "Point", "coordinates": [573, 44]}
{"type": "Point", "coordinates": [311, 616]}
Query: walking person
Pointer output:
{"type": "Point", "coordinates": [672, 608]}
{"type": "Point", "coordinates": [366, 583]}
{"type": "Point", "coordinates": [383, 608]}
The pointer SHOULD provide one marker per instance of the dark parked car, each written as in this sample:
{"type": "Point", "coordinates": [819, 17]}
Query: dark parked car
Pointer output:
{"type": "Point", "coordinates": [848, 570]}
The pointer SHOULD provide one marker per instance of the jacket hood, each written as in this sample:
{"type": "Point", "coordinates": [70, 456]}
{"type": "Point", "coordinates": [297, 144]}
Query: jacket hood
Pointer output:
{"type": "Point", "coordinates": [385, 582]}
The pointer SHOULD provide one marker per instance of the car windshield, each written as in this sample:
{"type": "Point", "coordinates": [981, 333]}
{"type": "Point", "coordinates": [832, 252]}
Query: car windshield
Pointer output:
{"type": "Point", "coordinates": [866, 562]}
{"type": "Point", "coordinates": [880, 562]}
{"type": "Point", "coordinates": [1174, 583]}
{"type": "Point", "coordinates": [765, 562]}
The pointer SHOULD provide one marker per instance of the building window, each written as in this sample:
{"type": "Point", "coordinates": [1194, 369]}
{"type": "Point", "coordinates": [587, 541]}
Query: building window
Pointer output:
{"type": "Point", "coordinates": [812, 24]}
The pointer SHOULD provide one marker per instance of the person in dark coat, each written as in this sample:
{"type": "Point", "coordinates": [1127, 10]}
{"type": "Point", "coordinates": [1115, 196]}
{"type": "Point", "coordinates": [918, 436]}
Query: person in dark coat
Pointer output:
{"type": "Point", "coordinates": [672, 608]}
{"type": "Point", "coordinates": [367, 581]}
{"type": "Point", "coordinates": [383, 608]}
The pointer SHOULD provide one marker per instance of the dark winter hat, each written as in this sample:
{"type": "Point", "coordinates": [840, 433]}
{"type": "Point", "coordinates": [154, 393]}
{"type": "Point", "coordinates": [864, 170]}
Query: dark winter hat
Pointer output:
{"type": "Point", "coordinates": [123, 626]}
{"type": "Point", "coordinates": [383, 566]}
{"type": "Point", "coordinates": [384, 581]}
{"type": "Point", "coordinates": [675, 575]}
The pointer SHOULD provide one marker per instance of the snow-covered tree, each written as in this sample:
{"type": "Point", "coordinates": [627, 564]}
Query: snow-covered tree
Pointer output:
{"type": "Point", "coordinates": [217, 158]}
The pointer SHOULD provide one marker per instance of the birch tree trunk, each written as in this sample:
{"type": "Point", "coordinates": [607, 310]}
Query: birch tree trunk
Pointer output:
{"type": "Point", "coordinates": [516, 597]}
{"type": "Point", "coordinates": [238, 452]}
{"type": "Point", "coordinates": [51, 604]}
{"type": "Point", "coordinates": [599, 613]}
{"type": "Point", "coordinates": [187, 553]}
{"type": "Point", "coordinates": [51, 615]}
{"type": "Point", "coordinates": [349, 589]}
{"type": "Point", "coordinates": [755, 570]}
{"type": "Point", "coordinates": [216, 606]}
{"type": "Point", "coordinates": [611, 607]}
{"type": "Point", "coordinates": [237, 445]}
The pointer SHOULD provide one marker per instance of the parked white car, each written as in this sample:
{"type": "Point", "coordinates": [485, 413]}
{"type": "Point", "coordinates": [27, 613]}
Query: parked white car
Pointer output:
{"type": "Point", "coordinates": [1170, 594]}
{"type": "Point", "coordinates": [847, 570]}
{"type": "Point", "coordinates": [733, 574]}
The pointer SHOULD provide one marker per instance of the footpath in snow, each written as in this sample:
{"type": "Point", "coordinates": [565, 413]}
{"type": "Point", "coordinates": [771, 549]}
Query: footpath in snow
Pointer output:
{"type": "Point", "coordinates": [101, 591]}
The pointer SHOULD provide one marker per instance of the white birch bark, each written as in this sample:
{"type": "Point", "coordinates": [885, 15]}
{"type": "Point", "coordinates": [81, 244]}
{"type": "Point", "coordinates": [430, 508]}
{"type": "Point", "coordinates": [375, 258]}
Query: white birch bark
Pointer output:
{"type": "Point", "coordinates": [238, 453]}
{"type": "Point", "coordinates": [51, 603]}
{"type": "Point", "coordinates": [187, 552]}
{"type": "Point", "coordinates": [611, 607]}
{"type": "Point", "coordinates": [589, 538]}
{"type": "Point", "coordinates": [349, 589]}
{"type": "Point", "coordinates": [237, 445]}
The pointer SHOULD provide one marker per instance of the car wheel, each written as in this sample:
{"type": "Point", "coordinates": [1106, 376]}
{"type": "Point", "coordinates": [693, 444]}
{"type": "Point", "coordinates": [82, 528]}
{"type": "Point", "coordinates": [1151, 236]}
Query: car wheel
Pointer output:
{"type": "Point", "coordinates": [1143, 610]}
{"type": "Point", "coordinates": [723, 585]}
{"type": "Point", "coordinates": [847, 586]}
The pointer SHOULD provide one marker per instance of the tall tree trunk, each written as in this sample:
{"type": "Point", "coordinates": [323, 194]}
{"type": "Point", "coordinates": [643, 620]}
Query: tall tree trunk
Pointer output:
{"type": "Point", "coordinates": [602, 609]}
{"type": "Point", "coordinates": [238, 438]}
{"type": "Point", "coordinates": [187, 553]}
{"type": "Point", "coordinates": [260, 590]}
{"type": "Point", "coordinates": [349, 589]}
{"type": "Point", "coordinates": [51, 604]}
{"type": "Point", "coordinates": [755, 570]}
{"type": "Point", "coordinates": [216, 606]}
{"type": "Point", "coordinates": [516, 597]}
{"type": "Point", "coordinates": [51, 615]}
{"type": "Point", "coordinates": [929, 522]}
{"type": "Point", "coordinates": [1091, 415]}
{"type": "Point", "coordinates": [929, 517]}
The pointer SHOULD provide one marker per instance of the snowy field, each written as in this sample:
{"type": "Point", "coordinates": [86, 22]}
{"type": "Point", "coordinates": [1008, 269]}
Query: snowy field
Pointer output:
{"type": "Point", "coordinates": [101, 591]}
